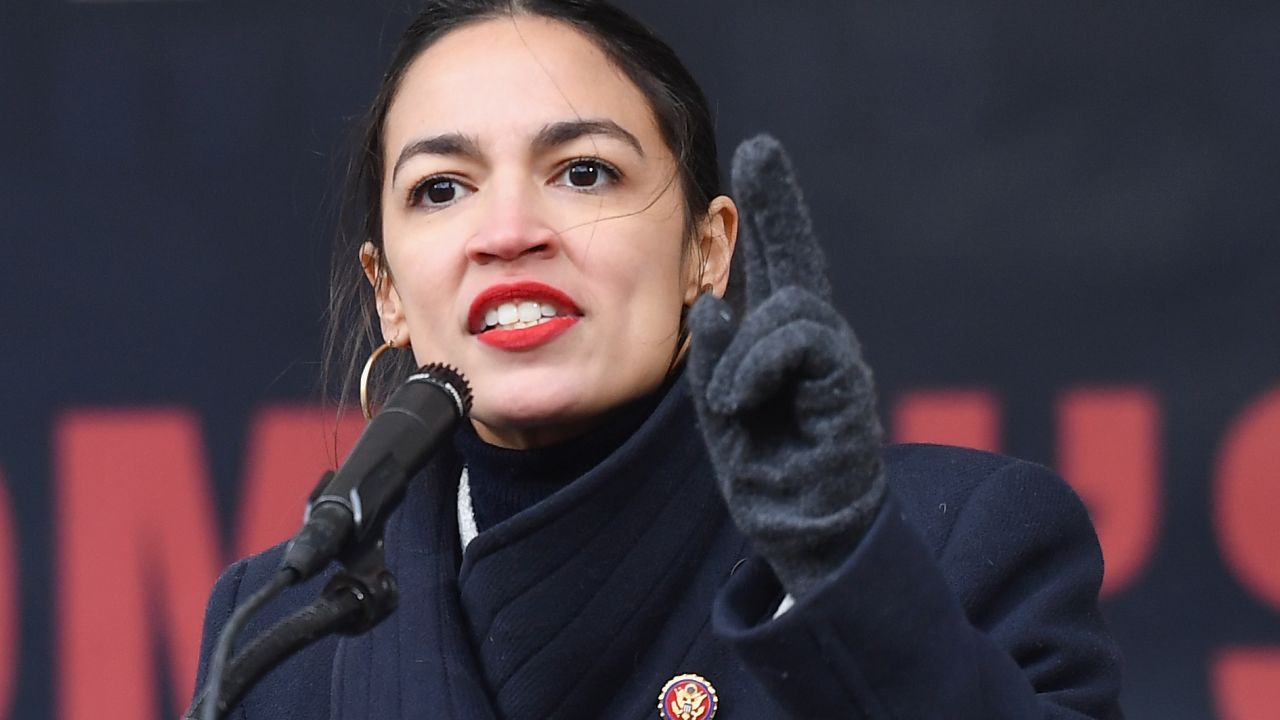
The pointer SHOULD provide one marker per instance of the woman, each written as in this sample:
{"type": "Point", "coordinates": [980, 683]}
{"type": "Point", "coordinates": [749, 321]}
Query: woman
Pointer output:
{"type": "Point", "coordinates": [542, 209]}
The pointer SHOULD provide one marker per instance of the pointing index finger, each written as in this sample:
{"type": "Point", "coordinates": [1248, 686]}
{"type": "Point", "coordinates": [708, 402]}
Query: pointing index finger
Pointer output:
{"type": "Point", "coordinates": [780, 249]}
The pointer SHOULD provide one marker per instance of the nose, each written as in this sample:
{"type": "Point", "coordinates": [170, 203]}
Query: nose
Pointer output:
{"type": "Point", "coordinates": [513, 225]}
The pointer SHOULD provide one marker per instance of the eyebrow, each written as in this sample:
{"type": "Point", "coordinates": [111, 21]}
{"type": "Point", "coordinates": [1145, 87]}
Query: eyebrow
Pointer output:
{"type": "Point", "coordinates": [560, 133]}
{"type": "Point", "coordinates": [455, 144]}
{"type": "Point", "coordinates": [550, 136]}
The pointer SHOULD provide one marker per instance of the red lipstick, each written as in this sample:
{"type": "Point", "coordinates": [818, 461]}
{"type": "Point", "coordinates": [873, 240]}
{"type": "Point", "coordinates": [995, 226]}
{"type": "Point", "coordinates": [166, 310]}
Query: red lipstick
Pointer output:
{"type": "Point", "coordinates": [527, 338]}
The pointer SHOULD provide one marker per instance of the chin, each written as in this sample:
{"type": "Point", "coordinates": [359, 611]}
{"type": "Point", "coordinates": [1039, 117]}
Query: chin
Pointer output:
{"type": "Point", "coordinates": [550, 403]}
{"type": "Point", "coordinates": [529, 404]}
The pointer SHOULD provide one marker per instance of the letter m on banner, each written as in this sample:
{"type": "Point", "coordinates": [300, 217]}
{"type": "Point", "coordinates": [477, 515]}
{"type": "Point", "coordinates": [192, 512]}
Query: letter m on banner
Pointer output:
{"type": "Point", "coordinates": [138, 546]}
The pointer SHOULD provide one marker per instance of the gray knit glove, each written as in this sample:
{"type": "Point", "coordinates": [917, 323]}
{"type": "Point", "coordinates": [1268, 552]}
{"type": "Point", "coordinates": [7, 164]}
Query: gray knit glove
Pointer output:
{"type": "Point", "coordinates": [786, 404]}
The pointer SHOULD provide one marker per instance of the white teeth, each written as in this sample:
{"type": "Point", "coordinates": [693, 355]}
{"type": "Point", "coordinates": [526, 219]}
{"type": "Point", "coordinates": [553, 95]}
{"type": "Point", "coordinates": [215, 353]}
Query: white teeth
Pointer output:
{"type": "Point", "coordinates": [507, 313]}
{"type": "Point", "coordinates": [516, 315]}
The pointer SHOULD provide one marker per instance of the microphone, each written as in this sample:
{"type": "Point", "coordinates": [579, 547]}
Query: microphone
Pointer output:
{"type": "Point", "coordinates": [349, 504]}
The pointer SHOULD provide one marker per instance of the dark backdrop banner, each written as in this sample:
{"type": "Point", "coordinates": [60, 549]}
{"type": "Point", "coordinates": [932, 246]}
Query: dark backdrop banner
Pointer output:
{"type": "Point", "coordinates": [1054, 226]}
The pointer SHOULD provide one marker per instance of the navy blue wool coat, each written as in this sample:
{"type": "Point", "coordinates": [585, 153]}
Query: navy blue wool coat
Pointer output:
{"type": "Point", "coordinates": [973, 595]}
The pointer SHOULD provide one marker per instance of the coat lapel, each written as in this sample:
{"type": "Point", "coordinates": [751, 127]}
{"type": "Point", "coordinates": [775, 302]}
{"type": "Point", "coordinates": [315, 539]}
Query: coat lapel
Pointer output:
{"type": "Point", "coordinates": [590, 599]}
{"type": "Point", "coordinates": [583, 606]}
{"type": "Point", "coordinates": [419, 662]}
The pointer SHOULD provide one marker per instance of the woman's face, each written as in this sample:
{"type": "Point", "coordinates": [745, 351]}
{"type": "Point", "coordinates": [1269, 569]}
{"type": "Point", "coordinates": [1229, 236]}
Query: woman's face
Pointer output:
{"type": "Point", "coordinates": [534, 228]}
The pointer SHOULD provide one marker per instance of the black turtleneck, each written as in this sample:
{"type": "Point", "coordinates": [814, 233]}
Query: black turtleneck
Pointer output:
{"type": "Point", "coordinates": [505, 481]}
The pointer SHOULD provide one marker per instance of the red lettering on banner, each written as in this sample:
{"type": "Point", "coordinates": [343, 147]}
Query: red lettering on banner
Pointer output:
{"type": "Point", "coordinates": [1246, 684]}
{"type": "Point", "coordinates": [290, 448]}
{"type": "Point", "coordinates": [9, 628]}
{"type": "Point", "coordinates": [968, 418]}
{"type": "Point", "coordinates": [135, 541]}
{"type": "Point", "coordinates": [1246, 681]}
{"type": "Point", "coordinates": [1246, 495]}
{"type": "Point", "coordinates": [1108, 449]}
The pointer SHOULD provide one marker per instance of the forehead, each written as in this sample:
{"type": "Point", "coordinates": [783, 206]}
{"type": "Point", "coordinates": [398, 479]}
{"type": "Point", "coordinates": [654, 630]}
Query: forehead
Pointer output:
{"type": "Point", "coordinates": [507, 77]}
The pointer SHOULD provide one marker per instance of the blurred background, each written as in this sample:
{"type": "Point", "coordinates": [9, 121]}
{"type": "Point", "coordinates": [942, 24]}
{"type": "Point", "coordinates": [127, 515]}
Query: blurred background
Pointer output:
{"type": "Point", "coordinates": [1053, 225]}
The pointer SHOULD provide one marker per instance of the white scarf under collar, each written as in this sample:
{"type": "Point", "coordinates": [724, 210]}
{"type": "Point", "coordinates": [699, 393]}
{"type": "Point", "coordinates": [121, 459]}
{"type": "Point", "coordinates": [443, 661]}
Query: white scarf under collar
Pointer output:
{"type": "Point", "coordinates": [467, 527]}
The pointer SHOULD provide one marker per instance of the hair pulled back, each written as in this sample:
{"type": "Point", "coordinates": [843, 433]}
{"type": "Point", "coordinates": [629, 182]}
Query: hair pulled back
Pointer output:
{"type": "Point", "coordinates": [676, 100]}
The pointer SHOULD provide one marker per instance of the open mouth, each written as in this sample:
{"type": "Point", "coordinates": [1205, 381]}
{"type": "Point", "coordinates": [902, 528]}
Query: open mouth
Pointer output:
{"type": "Point", "coordinates": [518, 315]}
{"type": "Point", "coordinates": [521, 315]}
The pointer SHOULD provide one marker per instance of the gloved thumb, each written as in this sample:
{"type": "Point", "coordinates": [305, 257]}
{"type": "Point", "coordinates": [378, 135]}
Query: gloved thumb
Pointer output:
{"type": "Point", "coordinates": [711, 328]}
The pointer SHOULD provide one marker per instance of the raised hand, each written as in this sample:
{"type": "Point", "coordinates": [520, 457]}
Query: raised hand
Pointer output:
{"type": "Point", "coordinates": [786, 404]}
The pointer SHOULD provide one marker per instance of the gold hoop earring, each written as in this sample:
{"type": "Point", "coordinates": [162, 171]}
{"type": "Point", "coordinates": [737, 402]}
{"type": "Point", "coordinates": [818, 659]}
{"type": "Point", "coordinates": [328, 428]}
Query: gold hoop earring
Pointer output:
{"type": "Point", "coordinates": [364, 376]}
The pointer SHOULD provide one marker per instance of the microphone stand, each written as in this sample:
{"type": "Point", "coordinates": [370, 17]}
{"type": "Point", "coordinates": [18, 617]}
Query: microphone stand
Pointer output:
{"type": "Point", "coordinates": [355, 600]}
{"type": "Point", "coordinates": [346, 517]}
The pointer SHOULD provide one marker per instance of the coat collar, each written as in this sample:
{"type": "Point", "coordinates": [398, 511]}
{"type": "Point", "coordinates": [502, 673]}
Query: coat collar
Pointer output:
{"type": "Point", "coordinates": [564, 609]}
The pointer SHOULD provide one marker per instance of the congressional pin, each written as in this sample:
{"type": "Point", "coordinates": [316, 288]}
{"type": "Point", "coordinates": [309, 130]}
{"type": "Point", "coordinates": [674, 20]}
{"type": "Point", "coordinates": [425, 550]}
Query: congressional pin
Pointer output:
{"type": "Point", "coordinates": [688, 697]}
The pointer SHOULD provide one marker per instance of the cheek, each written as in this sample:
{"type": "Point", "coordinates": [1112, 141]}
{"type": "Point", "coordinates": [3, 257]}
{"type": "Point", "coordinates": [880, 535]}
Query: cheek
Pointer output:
{"type": "Point", "coordinates": [647, 280]}
{"type": "Point", "coordinates": [426, 279]}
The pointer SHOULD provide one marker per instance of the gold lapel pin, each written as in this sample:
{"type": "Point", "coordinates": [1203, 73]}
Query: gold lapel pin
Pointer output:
{"type": "Point", "coordinates": [688, 697]}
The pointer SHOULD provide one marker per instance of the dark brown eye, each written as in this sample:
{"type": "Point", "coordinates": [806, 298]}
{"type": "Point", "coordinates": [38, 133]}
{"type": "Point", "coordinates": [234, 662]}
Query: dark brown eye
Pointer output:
{"type": "Point", "coordinates": [437, 192]}
{"type": "Point", "coordinates": [588, 174]}
{"type": "Point", "coordinates": [440, 192]}
{"type": "Point", "coordinates": [584, 174]}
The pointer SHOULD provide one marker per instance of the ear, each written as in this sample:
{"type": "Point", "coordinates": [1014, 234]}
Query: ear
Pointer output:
{"type": "Point", "coordinates": [713, 251]}
{"type": "Point", "coordinates": [387, 300]}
